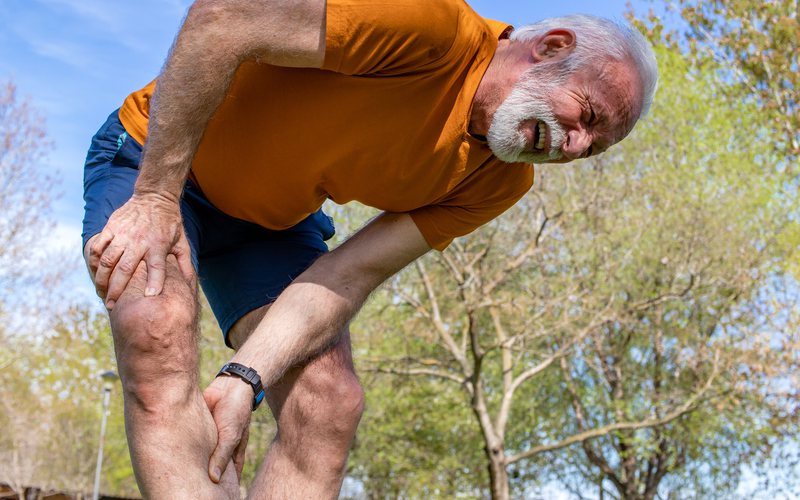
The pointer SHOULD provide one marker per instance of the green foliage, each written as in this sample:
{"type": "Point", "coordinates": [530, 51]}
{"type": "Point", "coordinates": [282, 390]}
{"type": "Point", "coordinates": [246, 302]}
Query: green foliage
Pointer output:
{"type": "Point", "coordinates": [644, 284]}
{"type": "Point", "coordinates": [754, 44]}
{"type": "Point", "coordinates": [52, 406]}
{"type": "Point", "coordinates": [416, 440]}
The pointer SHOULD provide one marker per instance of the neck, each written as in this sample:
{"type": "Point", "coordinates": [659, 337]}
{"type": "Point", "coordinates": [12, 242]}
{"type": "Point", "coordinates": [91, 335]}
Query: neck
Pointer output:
{"type": "Point", "coordinates": [496, 84]}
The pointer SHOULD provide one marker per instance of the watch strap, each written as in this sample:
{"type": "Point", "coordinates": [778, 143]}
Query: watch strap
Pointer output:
{"type": "Point", "coordinates": [249, 375]}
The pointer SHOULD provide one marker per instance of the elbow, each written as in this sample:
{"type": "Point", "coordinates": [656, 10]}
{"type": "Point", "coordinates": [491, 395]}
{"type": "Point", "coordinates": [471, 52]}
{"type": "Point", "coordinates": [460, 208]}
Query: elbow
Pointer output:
{"type": "Point", "coordinates": [210, 12]}
{"type": "Point", "coordinates": [208, 24]}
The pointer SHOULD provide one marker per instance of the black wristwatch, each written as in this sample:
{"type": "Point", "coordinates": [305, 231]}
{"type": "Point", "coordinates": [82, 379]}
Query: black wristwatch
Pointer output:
{"type": "Point", "coordinates": [250, 376]}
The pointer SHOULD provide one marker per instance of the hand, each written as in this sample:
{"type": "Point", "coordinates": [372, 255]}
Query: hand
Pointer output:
{"type": "Point", "coordinates": [146, 228]}
{"type": "Point", "coordinates": [230, 400]}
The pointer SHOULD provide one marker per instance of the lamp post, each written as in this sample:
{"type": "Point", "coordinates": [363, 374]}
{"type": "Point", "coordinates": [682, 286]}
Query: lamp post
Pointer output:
{"type": "Point", "coordinates": [108, 378]}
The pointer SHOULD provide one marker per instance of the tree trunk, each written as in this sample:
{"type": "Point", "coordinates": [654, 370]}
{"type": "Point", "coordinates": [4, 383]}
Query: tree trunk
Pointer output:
{"type": "Point", "coordinates": [498, 475]}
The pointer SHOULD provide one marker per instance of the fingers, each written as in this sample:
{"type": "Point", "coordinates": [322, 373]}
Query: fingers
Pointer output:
{"type": "Point", "coordinates": [183, 253]}
{"type": "Point", "coordinates": [142, 230]}
{"type": "Point", "coordinates": [211, 397]}
{"type": "Point", "coordinates": [121, 275]}
{"type": "Point", "coordinates": [238, 453]}
{"type": "Point", "coordinates": [94, 250]}
{"type": "Point", "coordinates": [229, 401]}
{"type": "Point", "coordinates": [227, 443]}
{"type": "Point", "coordinates": [106, 262]}
{"type": "Point", "coordinates": [156, 273]}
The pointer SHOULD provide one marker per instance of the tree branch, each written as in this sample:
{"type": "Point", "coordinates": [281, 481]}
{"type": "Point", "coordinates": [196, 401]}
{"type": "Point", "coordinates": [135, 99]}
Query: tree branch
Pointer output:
{"type": "Point", "coordinates": [436, 318]}
{"type": "Point", "coordinates": [411, 372]}
{"type": "Point", "coordinates": [688, 406]}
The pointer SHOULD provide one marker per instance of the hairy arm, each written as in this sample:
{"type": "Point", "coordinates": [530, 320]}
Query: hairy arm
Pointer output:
{"type": "Point", "coordinates": [216, 37]}
{"type": "Point", "coordinates": [309, 314]}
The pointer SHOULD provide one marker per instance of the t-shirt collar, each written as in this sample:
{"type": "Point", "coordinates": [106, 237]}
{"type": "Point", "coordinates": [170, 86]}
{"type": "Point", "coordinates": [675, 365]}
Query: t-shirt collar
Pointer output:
{"type": "Point", "coordinates": [499, 29]}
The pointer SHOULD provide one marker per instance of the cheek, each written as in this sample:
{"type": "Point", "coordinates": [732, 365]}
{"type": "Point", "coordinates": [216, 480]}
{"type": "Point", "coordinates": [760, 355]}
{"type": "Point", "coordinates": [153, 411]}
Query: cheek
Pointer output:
{"type": "Point", "coordinates": [567, 111]}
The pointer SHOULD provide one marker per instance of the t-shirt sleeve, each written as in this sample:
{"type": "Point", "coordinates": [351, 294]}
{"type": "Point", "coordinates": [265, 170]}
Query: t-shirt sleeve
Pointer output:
{"type": "Point", "coordinates": [388, 36]}
{"type": "Point", "coordinates": [485, 194]}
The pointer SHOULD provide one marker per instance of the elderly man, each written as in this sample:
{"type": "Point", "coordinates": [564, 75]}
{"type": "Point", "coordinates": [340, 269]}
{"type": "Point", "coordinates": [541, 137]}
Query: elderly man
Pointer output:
{"type": "Point", "coordinates": [264, 110]}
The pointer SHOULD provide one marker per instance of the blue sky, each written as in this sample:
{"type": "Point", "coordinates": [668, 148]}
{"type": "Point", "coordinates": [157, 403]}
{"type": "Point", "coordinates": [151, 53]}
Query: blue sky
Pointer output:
{"type": "Point", "coordinates": [76, 60]}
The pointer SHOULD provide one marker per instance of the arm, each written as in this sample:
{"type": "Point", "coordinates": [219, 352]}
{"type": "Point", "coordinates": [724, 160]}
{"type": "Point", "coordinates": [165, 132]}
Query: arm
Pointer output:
{"type": "Point", "coordinates": [309, 314]}
{"type": "Point", "coordinates": [312, 310]}
{"type": "Point", "coordinates": [216, 37]}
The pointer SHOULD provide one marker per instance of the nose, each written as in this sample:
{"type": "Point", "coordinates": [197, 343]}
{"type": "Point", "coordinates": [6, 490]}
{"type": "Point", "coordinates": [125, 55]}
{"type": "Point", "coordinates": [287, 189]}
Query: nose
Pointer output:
{"type": "Point", "coordinates": [578, 141]}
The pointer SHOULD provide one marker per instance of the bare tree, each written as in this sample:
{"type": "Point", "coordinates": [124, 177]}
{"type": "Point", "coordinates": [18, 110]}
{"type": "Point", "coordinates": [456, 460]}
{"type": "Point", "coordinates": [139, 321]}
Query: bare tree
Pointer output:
{"type": "Point", "coordinates": [26, 190]}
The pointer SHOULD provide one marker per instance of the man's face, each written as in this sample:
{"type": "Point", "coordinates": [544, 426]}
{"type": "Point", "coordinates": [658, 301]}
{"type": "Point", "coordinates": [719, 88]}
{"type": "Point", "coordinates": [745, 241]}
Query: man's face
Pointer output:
{"type": "Point", "coordinates": [552, 118]}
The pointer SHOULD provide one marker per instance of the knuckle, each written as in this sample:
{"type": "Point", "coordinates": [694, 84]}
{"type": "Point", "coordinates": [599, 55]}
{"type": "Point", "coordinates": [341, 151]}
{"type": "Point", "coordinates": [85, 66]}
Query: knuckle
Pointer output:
{"type": "Point", "coordinates": [126, 267]}
{"type": "Point", "coordinates": [156, 264]}
{"type": "Point", "coordinates": [107, 261]}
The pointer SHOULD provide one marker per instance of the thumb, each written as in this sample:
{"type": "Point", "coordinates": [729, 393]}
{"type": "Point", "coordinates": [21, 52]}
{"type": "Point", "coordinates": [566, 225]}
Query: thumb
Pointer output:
{"type": "Point", "coordinates": [183, 253]}
{"type": "Point", "coordinates": [226, 444]}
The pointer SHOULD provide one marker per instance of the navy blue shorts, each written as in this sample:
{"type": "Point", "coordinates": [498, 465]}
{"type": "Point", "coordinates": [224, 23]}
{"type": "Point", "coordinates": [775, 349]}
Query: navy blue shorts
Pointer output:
{"type": "Point", "coordinates": [241, 266]}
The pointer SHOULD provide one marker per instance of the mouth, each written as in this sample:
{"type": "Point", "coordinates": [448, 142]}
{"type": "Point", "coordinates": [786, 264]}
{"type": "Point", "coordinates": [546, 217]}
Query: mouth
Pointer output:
{"type": "Point", "coordinates": [540, 136]}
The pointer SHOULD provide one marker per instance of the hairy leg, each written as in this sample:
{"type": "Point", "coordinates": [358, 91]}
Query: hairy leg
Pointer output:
{"type": "Point", "coordinates": [317, 407]}
{"type": "Point", "coordinates": [170, 431]}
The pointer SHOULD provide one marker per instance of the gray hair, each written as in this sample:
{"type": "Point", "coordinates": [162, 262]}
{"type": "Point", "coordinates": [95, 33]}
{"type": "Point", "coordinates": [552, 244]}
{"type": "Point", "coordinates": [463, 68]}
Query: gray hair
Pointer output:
{"type": "Point", "coordinates": [597, 36]}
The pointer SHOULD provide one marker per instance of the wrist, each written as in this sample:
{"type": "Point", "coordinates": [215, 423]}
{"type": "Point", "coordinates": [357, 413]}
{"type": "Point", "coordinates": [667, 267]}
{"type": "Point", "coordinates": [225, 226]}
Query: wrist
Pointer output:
{"type": "Point", "coordinates": [247, 375]}
{"type": "Point", "coordinates": [160, 195]}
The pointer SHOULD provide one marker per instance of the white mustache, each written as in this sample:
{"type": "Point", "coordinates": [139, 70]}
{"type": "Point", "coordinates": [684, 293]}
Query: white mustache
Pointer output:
{"type": "Point", "coordinates": [527, 101]}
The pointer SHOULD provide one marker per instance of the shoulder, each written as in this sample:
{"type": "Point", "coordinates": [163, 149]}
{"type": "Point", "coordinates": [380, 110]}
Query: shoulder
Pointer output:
{"type": "Point", "coordinates": [398, 35]}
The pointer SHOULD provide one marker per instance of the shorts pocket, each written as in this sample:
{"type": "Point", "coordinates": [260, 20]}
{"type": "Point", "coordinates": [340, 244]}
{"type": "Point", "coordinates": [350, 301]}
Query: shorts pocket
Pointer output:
{"type": "Point", "coordinates": [129, 152]}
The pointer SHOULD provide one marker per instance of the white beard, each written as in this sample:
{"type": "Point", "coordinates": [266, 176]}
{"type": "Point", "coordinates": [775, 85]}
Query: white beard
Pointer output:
{"type": "Point", "coordinates": [527, 101]}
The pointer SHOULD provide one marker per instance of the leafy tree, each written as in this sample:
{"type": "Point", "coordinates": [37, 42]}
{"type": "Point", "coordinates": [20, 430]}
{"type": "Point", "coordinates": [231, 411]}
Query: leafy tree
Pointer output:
{"type": "Point", "coordinates": [618, 327]}
{"type": "Point", "coordinates": [51, 398]}
{"type": "Point", "coordinates": [756, 45]}
{"type": "Point", "coordinates": [691, 244]}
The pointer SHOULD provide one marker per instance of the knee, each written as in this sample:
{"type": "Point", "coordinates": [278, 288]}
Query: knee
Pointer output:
{"type": "Point", "coordinates": [330, 408]}
{"type": "Point", "coordinates": [344, 407]}
{"type": "Point", "coordinates": [156, 347]}
{"type": "Point", "coordinates": [153, 325]}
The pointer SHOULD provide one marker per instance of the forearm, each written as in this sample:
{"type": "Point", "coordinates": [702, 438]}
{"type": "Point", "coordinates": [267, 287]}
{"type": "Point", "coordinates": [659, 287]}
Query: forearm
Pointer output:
{"type": "Point", "coordinates": [215, 39]}
{"type": "Point", "coordinates": [317, 306]}
{"type": "Point", "coordinates": [305, 319]}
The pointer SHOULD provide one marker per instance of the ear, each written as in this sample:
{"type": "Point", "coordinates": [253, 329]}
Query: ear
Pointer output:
{"type": "Point", "coordinates": [556, 43]}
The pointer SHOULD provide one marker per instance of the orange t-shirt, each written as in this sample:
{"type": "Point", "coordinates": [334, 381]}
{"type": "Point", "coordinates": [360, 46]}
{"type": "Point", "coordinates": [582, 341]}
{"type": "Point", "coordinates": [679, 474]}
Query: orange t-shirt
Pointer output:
{"type": "Point", "coordinates": [384, 122]}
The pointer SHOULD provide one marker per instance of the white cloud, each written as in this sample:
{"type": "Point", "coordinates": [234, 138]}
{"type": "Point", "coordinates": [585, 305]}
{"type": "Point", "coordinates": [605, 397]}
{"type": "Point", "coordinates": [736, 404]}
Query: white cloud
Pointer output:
{"type": "Point", "coordinates": [68, 53]}
{"type": "Point", "coordinates": [129, 24]}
